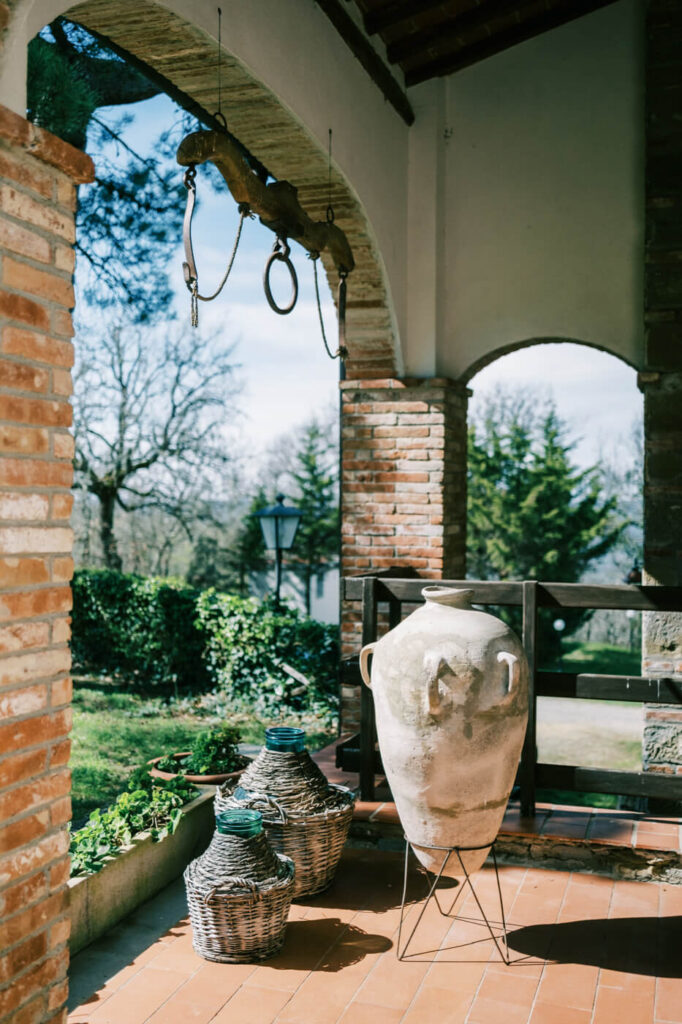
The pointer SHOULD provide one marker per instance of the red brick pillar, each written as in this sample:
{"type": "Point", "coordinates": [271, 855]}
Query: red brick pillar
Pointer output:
{"type": "Point", "coordinates": [37, 203]}
{"type": "Point", "coordinates": [661, 380]}
{"type": "Point", "coordinates": [403, 488]}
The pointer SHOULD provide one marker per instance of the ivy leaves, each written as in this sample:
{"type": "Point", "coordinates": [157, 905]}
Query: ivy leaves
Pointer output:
{"type": "Point", "coordinates": [152, 806]}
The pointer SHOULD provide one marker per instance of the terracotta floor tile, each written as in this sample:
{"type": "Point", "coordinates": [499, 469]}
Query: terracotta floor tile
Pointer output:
{"type": "Point", "coordinates": [620, 1004]}
{"type": "Point", "coordinates": [571, 824]}
{"type": "Point", "coordinates": [366, 1013]}
{"type": "Point", "coordinates": [585, 880]}
{"type": "Point", "coordinates": [179, 957]}
{"type": "Point", "coordinates": [551, 1013]}
{"type": "Point", "coordinates": [493, 1011]}
{"type": "Point", "coordinates": [439, 1006]}
{"type": "Point", "coordinates": [669, 999]}
{"type": "Point", "coordinates": [571, 985]}
{"type": "Point", "coordinates": [135, 1002]}
{"type": "Point", "coordinates": [509, 988]}
{"type": "Point", "coordinates": [520, 966]}
{"type": "Point", "coordinates": [671, 830]}
{"type": "Point", "coordinates": [527, 909]}
{"type": "Point", "coordinates": [364, 809]}
{"type": "Point", "coordinates": [206, 992]}
{"type": "Point", "coordinates": [112, 985]}
{"type": "Point", "coordinates": [321, 999]}
{"type": "Point", "coordinates": [514, 824]}
{"type": "Point", "coordinates": [617, 831]}
{"type": "Point", "coordinates": [647, 841]}
{"type": "Point", "coordinates": [637, 985]}
{"type": "Point", "coordinates": [392, 983]}
{"type": "Point", "coordinates": [671, 899]}
{"type": "Point", "coordinates": [460, 978]}
{"type": "Point", "coordinates": [387, 813]}
{"type": "Point", "coordinates": [251, 1005]}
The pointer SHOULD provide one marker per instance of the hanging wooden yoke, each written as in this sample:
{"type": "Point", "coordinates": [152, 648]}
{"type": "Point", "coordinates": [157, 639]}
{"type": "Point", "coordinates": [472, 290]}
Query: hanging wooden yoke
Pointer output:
{"type": "Point", "coordinates": [278, 209]}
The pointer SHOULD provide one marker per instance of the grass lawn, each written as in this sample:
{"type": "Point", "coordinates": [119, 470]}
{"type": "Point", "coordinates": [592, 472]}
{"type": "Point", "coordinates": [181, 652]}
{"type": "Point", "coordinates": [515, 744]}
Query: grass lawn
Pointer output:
{"type": "Point", "coordinates": [602, 659]}
{"type": "Point", "coordinates": [115, 730]}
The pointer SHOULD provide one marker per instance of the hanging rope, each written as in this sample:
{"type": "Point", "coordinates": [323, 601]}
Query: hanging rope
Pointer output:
{"type": "Point", "coordinates": [189, 266]}
{"type": "Point", "coordinates": [342, 351]}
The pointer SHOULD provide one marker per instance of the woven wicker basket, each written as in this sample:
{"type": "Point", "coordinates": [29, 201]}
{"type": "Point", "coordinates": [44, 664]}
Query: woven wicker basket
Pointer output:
{"type": "Point", "coordinates": [304, 816]}
{"type": "Point", "coordinates": [239, 893]}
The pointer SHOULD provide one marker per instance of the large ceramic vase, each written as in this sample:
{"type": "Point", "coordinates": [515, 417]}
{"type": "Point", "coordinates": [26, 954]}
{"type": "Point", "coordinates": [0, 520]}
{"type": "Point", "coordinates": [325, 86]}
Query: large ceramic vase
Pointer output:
{"type": "Point", "coordinates": [450, 687]}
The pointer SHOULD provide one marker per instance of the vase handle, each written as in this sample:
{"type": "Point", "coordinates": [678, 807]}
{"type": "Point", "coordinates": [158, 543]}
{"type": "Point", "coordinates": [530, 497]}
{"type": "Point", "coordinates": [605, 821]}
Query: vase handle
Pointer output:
{"type": "Point", "coordinates": [514, 668]}
{"type": "Point", "coordinates": [364, 668]}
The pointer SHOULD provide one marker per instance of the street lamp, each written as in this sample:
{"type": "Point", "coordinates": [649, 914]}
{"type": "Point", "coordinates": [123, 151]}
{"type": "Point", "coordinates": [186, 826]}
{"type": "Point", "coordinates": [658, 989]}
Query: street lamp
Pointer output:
{"type": "Point", "coordinates": [279, 524]}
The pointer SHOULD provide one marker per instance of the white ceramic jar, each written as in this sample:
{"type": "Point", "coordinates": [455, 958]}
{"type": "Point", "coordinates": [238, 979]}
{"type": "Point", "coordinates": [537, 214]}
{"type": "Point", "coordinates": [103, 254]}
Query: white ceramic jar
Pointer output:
{"type": "Point", "coordinates": [450, 687]}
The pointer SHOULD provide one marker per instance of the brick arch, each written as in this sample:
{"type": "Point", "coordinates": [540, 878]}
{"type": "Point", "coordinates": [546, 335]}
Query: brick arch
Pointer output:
{"type": "Point", "coordinates": [156, 36]}
{"type": "Point", "coordinates": [515, 346]}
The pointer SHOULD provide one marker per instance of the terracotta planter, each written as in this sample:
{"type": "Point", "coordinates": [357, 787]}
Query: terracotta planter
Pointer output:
{"type": "Point", "coordinates": [450, 688]}
{"type": "Point", "coordinates": [199, 780]}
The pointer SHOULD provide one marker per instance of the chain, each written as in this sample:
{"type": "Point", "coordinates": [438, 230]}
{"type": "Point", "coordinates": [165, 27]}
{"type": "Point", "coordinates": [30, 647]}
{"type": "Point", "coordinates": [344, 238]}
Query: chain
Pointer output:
{"type": "Point", "coordinates": [342, 351]}
{"type": "Point", "coordinates": [244, 212]}
{"type": "Point", "coordinates": [189, 266]}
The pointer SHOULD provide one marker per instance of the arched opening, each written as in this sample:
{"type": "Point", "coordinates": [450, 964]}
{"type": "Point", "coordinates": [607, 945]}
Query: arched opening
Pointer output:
{"type": "Point", "coordinates": [555, 493]}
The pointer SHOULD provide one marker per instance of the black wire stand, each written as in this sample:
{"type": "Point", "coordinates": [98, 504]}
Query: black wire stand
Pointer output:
{"type": "Point", "coordinates": [500, 940]}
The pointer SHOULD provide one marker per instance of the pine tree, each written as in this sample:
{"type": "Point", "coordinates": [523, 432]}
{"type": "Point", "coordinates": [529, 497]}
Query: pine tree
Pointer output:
{"type": "Point", "coordinates": [315, 476]}
{"type": "Point", "coordinates": [532, 513]}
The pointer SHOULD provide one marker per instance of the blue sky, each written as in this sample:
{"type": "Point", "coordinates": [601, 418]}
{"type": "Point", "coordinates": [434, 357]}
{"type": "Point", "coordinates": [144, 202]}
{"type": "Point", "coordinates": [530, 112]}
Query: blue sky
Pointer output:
{"type": "Point", "coordinates": [286, 374]}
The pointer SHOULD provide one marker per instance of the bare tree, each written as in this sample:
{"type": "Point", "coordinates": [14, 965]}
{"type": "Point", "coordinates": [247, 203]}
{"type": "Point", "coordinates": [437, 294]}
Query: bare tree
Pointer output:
{"type": "Point", "coordinates": [153, 410]}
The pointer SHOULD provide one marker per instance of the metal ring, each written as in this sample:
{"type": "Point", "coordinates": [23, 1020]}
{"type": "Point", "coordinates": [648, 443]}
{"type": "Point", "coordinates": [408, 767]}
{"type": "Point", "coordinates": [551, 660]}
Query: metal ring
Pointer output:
{"type": "Point", "coordinates": [281, 257]}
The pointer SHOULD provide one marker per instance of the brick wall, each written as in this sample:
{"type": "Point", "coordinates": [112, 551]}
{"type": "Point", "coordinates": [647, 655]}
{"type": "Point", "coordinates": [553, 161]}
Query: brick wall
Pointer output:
{"type": "Point", "coordinates": [37, 203]}
{"type": "Point", "coordinates": [403, 488]}
{"type": "Point", "coordinates": [662, 379]}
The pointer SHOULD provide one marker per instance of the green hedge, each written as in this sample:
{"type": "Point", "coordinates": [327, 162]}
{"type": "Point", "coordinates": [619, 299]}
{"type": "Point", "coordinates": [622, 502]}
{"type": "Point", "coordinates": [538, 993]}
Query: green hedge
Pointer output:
{"type": "Point", "coordinates": [139, 625]}
{"type": "Point", "coordinates": [249, 643]}
{"type": "Point", "coordinates": [169, 636]}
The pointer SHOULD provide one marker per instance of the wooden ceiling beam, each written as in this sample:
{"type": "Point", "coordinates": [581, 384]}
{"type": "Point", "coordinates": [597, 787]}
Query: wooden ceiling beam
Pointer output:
{"type": "Point", "coordinates": [468, 55]}
{"type": "Point", "coordinates": [447, 33]}
{"type": "Point", "coordinates": [395, 13]}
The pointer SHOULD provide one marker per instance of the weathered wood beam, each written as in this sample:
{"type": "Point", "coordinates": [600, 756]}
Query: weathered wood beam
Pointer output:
{"type": "Point", "coordinates": [607, 780]}
{"type": "Point", "coordinates": [362, 49]}
{"type": "Point", "coordinates": [468, 55]}
{"type": "Point", "coordinates": [276, 204]}
{"type": "Point", "coordinates": [448, 32]}
{"type": "Point", "coordinates": [393, 14]}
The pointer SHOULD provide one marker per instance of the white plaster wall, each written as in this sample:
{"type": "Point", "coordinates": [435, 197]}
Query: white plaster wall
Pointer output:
{"type": "Point", "coordinates": [545, 194]}
{"type": "Point", "coordinates": [292, 48]}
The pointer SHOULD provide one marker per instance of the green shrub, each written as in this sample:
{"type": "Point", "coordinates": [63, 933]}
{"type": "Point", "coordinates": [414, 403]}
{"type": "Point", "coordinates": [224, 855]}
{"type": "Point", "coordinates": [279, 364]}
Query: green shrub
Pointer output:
{"type": "Point", "coordinates": [139, 625]}
{"type": "Point", "coordinates": [249, 645]}
{"type": "Point", "coordinates": [150, 805]}
{"type": "Point", "coordinates": [163, 634]}
{"type": "Point", "coordinates": [214, 752]}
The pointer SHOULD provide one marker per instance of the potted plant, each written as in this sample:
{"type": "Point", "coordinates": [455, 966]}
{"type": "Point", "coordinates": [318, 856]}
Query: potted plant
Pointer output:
{"type": "Point", "coordinates": [213, 759]}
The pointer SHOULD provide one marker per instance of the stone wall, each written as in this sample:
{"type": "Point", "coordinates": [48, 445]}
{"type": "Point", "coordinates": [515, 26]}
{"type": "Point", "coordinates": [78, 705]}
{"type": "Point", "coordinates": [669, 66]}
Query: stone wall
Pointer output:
{"type": "Point", "coordinates": [662, 379]}
{"type": "Point", "coordinates": [403, 489]}
{"type": "Point", "coordinates": [37, 203]}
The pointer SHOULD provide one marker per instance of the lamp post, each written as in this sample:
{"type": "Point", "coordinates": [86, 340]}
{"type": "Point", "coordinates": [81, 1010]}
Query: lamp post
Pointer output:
{"type": "Point", "coordinates": [279, 524]}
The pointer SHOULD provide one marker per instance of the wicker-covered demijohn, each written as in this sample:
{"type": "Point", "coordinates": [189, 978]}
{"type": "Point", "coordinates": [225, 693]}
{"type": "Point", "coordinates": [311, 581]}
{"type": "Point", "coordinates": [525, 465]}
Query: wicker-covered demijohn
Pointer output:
{"type": "Point", "coordinates": [305, 817]}
{"type": "Point", "coordinates": [239, 893]}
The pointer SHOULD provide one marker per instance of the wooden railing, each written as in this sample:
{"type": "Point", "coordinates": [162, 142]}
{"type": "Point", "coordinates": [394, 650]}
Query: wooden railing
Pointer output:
{"type": "Point", "coordinates": [359, 753]}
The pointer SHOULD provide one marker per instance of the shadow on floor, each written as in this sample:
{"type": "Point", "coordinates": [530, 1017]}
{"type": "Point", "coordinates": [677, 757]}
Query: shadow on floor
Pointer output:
{"type": "Point", "coordinates": [638, 945]}
{"type": "Point", "coordinates": [326, 944]}
{"type": "Point", "coordinates": [364, 881]}
{"type": "Point", "coordinates": [94, 965]}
